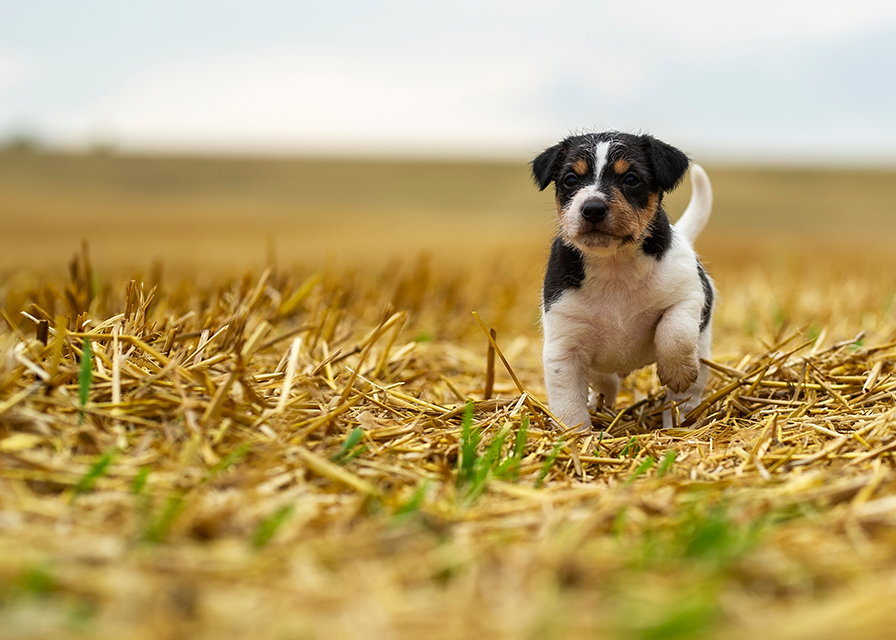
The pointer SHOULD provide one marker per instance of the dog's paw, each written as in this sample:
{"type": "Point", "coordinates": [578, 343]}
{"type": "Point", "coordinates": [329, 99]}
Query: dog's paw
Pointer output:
{"type": "Point", "coordinates": [678, 376]}
{"type": "Point", "coordinates": [578, 416]}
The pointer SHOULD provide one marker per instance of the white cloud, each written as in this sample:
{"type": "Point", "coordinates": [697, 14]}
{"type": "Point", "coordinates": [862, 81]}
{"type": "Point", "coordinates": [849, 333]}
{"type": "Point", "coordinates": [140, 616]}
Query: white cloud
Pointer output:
{"type": "Point", "coordinates": [470, 76]}
{"type": "Point", "coordinates": [12, 71]}
{"type": "Point", "coordinates": [757, 27]}
{"type": "Point", "coordinates": [284, 99]}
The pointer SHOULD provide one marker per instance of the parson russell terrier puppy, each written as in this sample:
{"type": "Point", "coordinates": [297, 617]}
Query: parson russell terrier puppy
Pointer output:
{"type": "Point", "coordinates": [623, 287]}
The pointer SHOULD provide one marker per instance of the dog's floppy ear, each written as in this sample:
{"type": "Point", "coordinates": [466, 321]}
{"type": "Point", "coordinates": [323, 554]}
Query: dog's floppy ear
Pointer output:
{"type": "Point", "coordinates": [669, 164]}
{"type": "Point", "coordinates": [545, 166]}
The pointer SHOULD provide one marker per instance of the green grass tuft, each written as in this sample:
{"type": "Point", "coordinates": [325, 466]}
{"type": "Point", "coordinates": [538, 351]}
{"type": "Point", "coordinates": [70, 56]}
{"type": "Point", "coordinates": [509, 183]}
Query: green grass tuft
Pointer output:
{"type": "Point", "coordinates": [228, 461]}
{"type": "Point", "coordinates": [510, 468]}
{"type": "Point", "coordinates": [407, 509]}
{"type": "Point", "coordinates": [85, 377]}
{"type": "Point", "coordinates": [140, 481]}
{"type": "Point", "coordinates": [97, 470]}
{"type": "Point", "coordinates": [630, 446]}
{"type": "Point", "coordinates": [474, 470]}
{"type": "Point", "coordinates": [645, 466]}
{"type": "Point", "coordinates": [686, 618]}
{"type": "Point", "coordinates": [348, 450]}
{"type": "Point", "coordinates": [666, 464]}
{"type": "Point", "coordinates": [548, 463]}
{"type": "Point", "coordinates": [37, 580]}
{"type": "Point", "coordinates": [156, 530]}
{"type": "Point", "coordinates": [470, 437]}
{"type": "Point", "coordinates": [268, 527]}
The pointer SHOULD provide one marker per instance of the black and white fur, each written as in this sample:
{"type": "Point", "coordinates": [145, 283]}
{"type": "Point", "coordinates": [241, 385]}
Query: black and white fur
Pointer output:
{"type": "Point", "coordinates": [623, 287]}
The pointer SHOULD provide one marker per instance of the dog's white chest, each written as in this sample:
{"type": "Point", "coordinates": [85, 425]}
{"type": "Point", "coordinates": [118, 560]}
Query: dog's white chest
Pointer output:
{"type": "Point", "coordinates": [611, 328]}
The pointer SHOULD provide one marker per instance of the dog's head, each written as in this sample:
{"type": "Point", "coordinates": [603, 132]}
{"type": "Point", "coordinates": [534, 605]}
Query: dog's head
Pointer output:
{"type": "Point", "coordinates": [609, 186]}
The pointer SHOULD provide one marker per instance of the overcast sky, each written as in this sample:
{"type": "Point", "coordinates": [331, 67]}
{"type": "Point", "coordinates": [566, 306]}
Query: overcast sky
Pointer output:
{"type": "Point", "coordinates": [765, 80]}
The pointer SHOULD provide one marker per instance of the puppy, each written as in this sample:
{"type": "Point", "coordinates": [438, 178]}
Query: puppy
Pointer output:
{"type": "Point", "coordinates": [623, 287]}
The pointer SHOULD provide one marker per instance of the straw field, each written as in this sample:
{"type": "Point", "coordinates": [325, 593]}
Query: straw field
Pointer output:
{"type": "Point", "coordinates": [257, 403]}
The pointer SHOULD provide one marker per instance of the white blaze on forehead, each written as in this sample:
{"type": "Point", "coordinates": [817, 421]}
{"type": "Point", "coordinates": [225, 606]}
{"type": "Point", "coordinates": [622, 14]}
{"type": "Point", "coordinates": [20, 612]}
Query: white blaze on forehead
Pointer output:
{"type": "Point", "coordinates": [572, 211]}
{"type": "Point", "coordinates": [601, 149]}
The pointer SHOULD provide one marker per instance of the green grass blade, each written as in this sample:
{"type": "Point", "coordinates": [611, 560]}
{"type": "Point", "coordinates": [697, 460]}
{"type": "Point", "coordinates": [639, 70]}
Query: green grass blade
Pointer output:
{"type": "Point", "coordinates": [548, 463]}
{"type": "Point", "coordinates": [96, 471]}
{"type": "Point", "coordinates": [519, 444]}
{"type": "Point", "coordinates": [470, 437]}
{"type": "Point", "coordinates": [345, 452]}
{"type": "Point", "coordinates": [406, 509]}
{"type": "Point", "coordinates": [268, 527]}
{"type": "Point", "coordinates": [85, 377]}
{"type": "Point", "coordinates": [633, 442]}
{"type": "Point", "coordinates": [493, 454]}
{"type": "Point", "coordinates": [666, 464]}
{"type": "Point", "coordinates": [157, 532]}
{"type": "Point", "coordinates": [140, 481]}
{"type": "Point", "coordinates": [38, 580]}
{"type": "Point", "coordinates": [511, 467]}
{"type": "Point", "coordinates": [228, 461]}
{"type": "Point", "coordinates": [485, 465]}
{"type": "Point", "coordinates": [354, 454]}
{"type": "Point", "coordinates": [645, 465]}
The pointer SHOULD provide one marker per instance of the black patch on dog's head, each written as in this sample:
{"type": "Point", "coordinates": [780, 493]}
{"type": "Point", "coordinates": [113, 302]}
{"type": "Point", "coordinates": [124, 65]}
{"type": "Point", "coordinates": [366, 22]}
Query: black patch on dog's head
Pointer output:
{"type": "Point", "coordinates": [546, 165]}
{"type": "Point", "coordinates": [669, 164]}
{"type": "Point", "coordinates": [566, 269]}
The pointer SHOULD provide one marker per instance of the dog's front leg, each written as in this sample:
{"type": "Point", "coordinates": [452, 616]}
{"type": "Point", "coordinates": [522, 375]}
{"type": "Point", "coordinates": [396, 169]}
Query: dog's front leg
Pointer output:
{"type": "Point", "coordinates": [567, 385]}
{"type": "Point", "coordinates": [691, 398]}
{"type": "Point", "coordinates": [679, 347]}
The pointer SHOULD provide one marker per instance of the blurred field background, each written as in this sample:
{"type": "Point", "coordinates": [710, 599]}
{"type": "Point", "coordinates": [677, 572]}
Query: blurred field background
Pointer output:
{"type": "Point", "coordinates": [784, 229]}
{"type": "Point", "coordinates": [203, 215]}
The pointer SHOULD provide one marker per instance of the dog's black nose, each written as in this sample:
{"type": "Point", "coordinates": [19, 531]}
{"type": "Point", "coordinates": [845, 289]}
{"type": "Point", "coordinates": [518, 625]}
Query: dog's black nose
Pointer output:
{"type": "Point", "coordinates": [594, 211]}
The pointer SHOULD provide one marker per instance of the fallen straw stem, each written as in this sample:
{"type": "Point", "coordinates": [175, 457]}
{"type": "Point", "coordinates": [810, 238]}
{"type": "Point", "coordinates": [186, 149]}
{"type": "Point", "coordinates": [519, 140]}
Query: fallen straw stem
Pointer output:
{"type": "Point", "coordinates": [334, 472]}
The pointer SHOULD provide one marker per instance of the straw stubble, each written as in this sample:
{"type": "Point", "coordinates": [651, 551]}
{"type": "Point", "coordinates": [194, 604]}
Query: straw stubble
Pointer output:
{"type": "Point", "coordinates": [212, 487]}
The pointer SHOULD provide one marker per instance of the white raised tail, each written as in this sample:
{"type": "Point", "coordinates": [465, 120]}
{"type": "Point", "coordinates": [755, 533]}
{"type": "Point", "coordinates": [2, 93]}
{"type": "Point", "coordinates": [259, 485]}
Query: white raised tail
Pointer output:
{"type": "Point", "coordinates": [695, 216]}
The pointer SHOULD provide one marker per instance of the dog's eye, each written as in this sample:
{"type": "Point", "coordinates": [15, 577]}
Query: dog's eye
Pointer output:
{"type": "Point", "coordinates": [631, 180]}
{"type": "Point", "coordinates": [571, 180]}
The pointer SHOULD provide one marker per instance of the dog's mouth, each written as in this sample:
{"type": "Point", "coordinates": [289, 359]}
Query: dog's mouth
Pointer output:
{"type": "Point", "coordinates": [595, 238]}
{"type": "Point", "coordinates": [600, 242]}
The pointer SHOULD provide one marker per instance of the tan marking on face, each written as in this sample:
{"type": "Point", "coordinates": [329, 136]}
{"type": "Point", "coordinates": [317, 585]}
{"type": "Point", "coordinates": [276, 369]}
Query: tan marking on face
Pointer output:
{"type": "Point", "coordinates": [580, 167]}
{"type": "Point", "coordinates": [627, 221]}
{"type": "Point", "coordinates": [621, 166]}
{"type": "Point", "coordinates": [559, 207]}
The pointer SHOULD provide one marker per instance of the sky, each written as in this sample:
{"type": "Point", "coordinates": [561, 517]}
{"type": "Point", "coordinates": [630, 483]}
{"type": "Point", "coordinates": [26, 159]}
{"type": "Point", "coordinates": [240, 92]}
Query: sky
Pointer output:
{"type": "Point", "coordinates": [766, 80]}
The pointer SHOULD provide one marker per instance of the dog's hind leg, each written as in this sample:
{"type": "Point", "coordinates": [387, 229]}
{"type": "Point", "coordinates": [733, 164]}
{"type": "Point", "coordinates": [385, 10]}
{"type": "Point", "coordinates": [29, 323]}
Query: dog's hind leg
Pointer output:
{"type": "Point", "coordinates": [606, 385]}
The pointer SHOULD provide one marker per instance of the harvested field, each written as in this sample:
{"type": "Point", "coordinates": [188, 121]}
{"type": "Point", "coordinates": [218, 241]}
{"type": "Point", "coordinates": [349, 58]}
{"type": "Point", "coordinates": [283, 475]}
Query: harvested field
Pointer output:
{"type": "Point", "coordinates": [332, 450]}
